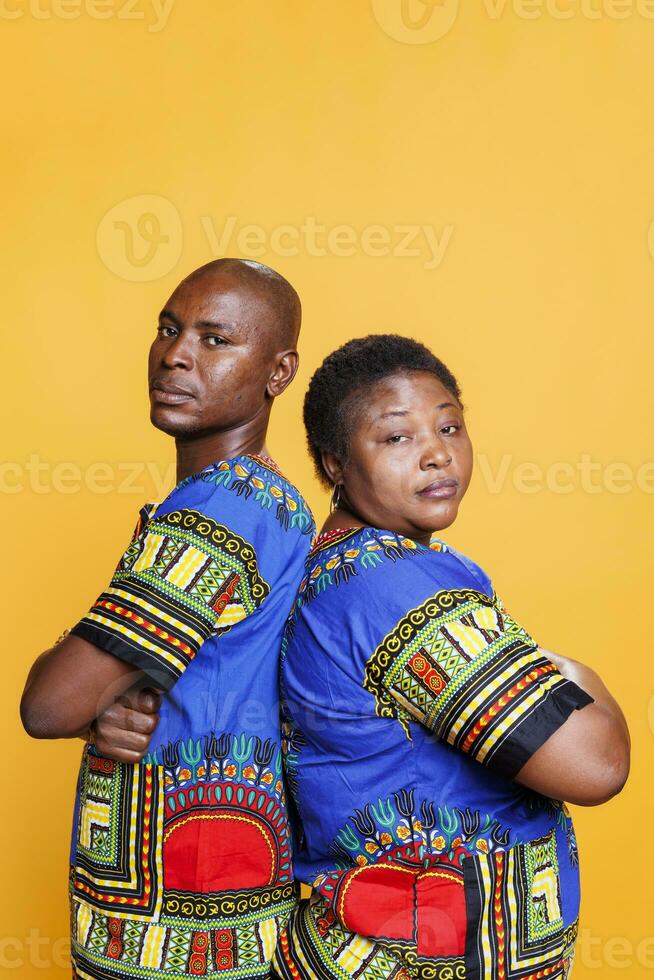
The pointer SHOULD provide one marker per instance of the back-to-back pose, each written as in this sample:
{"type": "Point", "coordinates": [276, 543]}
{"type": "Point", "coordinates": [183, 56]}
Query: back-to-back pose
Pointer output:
{"type": "Point", "coordinates": [429, 740]}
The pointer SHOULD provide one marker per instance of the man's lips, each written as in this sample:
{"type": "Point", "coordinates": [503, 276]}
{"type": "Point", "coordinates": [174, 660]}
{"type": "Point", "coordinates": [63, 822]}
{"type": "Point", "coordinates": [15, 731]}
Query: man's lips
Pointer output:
{"type": "Point", "coordinates": [169, 394]}
{"type": "Point", "coordinates": [440, 489]}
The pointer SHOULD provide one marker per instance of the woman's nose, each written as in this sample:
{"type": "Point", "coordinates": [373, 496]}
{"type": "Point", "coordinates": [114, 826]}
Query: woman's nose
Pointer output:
{"type": "Point", "coordinates": [436, 453]}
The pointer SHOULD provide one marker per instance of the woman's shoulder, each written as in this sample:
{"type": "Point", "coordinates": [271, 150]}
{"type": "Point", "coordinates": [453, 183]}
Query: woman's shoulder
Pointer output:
{"type": "Point", "coordinates": [349, 567]}
{"type": "Point", "coordinates": [473, 569]}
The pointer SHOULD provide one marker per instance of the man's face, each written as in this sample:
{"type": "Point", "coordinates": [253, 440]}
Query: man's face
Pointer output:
{"type": "Point", "coordinates": [212, 358]}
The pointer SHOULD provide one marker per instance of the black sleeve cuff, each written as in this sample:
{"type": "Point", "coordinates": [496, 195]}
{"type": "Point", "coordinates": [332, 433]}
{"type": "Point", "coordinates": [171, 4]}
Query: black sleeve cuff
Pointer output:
{"type": "Point", "coordinates": [547, 716]}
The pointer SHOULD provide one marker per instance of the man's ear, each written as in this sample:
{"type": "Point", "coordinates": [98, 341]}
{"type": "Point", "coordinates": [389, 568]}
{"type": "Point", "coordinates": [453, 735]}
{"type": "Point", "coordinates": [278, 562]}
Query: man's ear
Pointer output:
{"type": "Point", "coordinates": [333, 467]}
{"type": "Point", "coordinates": [284, 372]}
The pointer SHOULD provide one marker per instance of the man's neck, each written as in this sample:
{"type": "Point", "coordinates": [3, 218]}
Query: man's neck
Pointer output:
{"type": "Point", "coordinates": [194, 455]}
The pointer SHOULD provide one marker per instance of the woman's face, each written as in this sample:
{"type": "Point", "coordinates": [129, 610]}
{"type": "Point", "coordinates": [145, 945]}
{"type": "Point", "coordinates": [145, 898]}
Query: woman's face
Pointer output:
{"type": "Point", "coordinates": [410, 459]}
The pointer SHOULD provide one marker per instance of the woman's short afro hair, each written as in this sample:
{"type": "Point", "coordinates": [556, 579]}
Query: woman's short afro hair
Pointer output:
{"type": "Point", "coordinates": [338, 387]}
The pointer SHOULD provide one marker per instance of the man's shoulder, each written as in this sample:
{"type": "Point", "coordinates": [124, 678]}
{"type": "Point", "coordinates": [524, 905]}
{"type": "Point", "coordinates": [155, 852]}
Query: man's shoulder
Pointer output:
{"type": "Point", "coordinates": [250, 494]}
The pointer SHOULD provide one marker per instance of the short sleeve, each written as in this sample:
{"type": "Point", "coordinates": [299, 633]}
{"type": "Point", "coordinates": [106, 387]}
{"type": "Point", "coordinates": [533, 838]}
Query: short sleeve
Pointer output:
{"type": "Point", "coordinates": [465, 669]}
{"type": "Point", "coordinates": [183, 577]}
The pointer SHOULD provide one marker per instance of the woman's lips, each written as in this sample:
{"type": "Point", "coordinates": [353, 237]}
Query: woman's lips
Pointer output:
{"type": "Point", "coordinates": [441, 490]}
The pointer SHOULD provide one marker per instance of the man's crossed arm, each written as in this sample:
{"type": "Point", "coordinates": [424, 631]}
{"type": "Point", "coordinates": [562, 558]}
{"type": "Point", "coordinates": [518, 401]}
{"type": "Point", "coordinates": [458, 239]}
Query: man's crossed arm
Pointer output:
{"type": "Point", "coordinates": [74, 683]}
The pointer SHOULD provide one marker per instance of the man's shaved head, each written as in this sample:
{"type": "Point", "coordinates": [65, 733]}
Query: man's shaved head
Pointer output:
{"type": "Point", "coordinates": [225, 349]}
{"type": "Point", "coordinates": [269, 286]}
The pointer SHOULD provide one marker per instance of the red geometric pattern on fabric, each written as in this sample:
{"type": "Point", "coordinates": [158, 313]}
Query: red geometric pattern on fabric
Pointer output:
{"type": "Point", "coordinates": [429, 673]}
{"type": "Point", "coordinates": [391, 902]}
{"type": "Point", "coordinates": [239, 831]}
{"type": "Point", "coordinates": [441, 913]}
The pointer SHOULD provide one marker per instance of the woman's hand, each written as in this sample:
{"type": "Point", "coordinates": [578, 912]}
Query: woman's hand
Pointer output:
{"type": "Point", "coordinates": [587, 760]}
{"type": "Point", "coordinates": [124, 730]}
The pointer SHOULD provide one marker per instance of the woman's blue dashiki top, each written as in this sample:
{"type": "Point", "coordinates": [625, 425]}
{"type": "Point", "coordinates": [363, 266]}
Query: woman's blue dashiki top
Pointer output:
{"type": "Point", "coordinates": [411, 699]}
{"type": "Point", "coordinates": [181, 866]}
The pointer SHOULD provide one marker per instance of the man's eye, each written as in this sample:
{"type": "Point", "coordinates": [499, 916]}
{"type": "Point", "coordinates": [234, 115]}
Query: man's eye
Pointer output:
{"type": "Point", "coordinates": [163, 328]}
{"type": "Point", "coordinates": [215, 341]}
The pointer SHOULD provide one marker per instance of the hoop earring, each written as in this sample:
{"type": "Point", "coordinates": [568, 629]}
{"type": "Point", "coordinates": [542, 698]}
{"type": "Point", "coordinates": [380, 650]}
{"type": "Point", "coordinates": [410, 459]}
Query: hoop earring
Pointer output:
{"type": "Point", "coordinates": [335, 502]}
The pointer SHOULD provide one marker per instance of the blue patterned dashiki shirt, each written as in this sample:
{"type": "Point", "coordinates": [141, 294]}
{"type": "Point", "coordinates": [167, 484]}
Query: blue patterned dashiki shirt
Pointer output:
{"type": "Point", "coordinates": [411, 698]}
{"type": "Point", "coordinates": [181, 866]}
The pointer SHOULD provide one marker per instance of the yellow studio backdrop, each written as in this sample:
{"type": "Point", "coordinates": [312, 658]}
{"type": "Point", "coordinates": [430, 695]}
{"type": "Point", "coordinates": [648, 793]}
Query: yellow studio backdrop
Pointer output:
{"type": "Point", "coordinates": [478, 176]}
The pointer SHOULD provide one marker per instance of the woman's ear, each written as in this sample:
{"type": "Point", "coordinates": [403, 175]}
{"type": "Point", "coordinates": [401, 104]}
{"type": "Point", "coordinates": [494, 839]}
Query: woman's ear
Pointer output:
{"type": "Point", "coordinates": [333, 467]}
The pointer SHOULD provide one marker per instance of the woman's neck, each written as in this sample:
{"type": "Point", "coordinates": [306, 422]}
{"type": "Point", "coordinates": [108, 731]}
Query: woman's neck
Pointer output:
{"type": "Point", "coordinates": [341, 518]}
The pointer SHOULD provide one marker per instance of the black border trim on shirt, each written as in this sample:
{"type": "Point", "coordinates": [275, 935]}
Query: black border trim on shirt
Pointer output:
{"type": "Point", "coordinates": [133, 654]}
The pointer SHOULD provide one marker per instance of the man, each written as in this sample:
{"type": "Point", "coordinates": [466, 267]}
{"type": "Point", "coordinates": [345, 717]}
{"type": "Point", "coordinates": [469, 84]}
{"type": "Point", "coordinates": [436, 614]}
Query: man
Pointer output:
{"type": "Point", "coordinates": [181, 864]}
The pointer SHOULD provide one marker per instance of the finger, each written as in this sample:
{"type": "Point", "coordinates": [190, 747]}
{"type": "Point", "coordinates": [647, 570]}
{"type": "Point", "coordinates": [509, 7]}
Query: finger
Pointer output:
{"type": "Point", "coordinates": [109, 740]}
{"type": "Point", "coordinates": [121, 739]}
{"type": "Point", "coordinates": [122, 717]}
{"type": "Point", "coordinates": [129, 723]}
{"type": "Point", "coordinates": [148, 700]}
{"type": "Point", "coordinates": [135, 721]}
{"type": "Point", "coordinates": [145, 700]}
{"type": "Point", "coordinates": [120, 755]}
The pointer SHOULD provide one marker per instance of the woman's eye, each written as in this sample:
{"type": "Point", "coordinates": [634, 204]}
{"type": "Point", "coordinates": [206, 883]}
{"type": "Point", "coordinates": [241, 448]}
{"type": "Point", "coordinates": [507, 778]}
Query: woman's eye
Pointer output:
{"type": "Point", "coordinates": [395, 439]}
{"type": "Point", "coordinates": [448, 430]}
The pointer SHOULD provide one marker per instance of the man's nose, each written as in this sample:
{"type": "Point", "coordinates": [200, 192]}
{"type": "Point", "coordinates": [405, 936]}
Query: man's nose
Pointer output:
{"type": "Point", "coordinates": [178, 353]}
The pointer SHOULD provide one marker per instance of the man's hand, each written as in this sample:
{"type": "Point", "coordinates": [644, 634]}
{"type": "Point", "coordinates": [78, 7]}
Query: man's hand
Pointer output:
{"type": "Point", "coordinates": [124, 730]}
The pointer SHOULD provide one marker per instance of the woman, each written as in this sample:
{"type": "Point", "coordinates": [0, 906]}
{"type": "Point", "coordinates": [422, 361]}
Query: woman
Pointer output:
{"type": "Point", "coordinates": [428, 739]}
